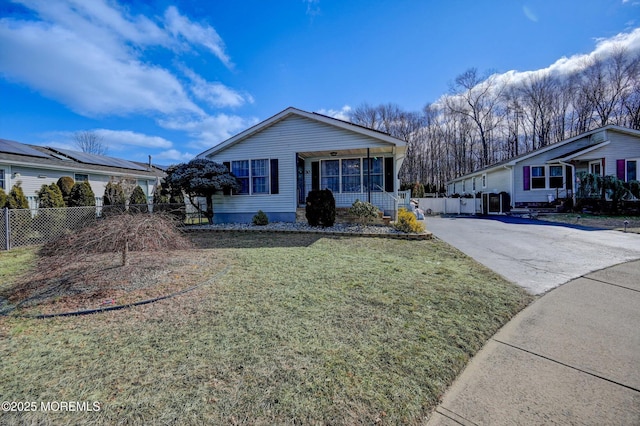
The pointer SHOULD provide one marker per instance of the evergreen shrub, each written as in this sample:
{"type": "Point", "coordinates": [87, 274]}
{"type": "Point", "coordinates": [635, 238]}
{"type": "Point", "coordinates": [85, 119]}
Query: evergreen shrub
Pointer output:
{"type": "Point", "coordinates": [364, 212]}
{"type": "Point", "coordinates": [17, 199]}
{"type": "Point", "coordinates": [51, 219]}
{"type": "Point", "coordinates": [321, 208]}
{"type": "Point", "coordinates": [260, 218]}
{"type": "Point", "coordinates": [65, 183]}
{"type": "Point", "coordinates": [50, 197]}
{"type": "Point", "coordinates": [138, 201]}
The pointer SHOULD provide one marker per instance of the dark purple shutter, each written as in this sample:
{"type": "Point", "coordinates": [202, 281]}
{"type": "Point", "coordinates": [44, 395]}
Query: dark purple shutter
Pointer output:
{"type": "Point", "coordinates": [275, 183]}
{"type": "Point", "coordinates": [526, 178]}
{"type": "Point", "coordinates": [226, 191]}
{"type": "Point", "coordinates": [620, 169]}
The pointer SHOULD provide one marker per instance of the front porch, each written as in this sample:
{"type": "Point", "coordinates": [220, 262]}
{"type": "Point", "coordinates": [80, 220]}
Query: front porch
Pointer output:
{"type": "Point", "coordinates": [365, 174]}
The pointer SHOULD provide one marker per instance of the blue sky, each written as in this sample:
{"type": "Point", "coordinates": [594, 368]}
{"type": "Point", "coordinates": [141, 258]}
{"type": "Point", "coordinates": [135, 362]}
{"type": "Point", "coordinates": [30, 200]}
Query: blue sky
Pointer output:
{"type": "Point", "coordinates": [173, 78]}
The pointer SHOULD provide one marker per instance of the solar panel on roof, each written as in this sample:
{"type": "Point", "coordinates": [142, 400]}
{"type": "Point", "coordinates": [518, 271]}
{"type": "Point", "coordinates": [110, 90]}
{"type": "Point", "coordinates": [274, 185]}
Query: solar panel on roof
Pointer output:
{"type": "Point", "coordinates": [12, 147]}
{"type": "Point", "coordinates": [100, 160]}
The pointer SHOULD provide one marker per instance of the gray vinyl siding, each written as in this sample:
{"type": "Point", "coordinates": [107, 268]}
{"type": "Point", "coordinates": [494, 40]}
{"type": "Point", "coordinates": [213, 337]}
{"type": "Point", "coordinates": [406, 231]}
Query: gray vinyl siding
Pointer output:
{"type": "Point", "coordinates": [621, 146]}
{"type": "Point", "coordinates": [282, 141]}
{"type": "Point", "coordinates": [497, 181]}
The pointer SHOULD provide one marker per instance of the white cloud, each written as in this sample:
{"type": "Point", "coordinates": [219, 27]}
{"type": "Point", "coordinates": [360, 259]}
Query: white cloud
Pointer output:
{"type": "Point", "coordinates": [529, 14]}
{"type": "Point", "coordinates": [341, 114]}
{"type": "Point", "coordinates": [215, 94]}
{"type": "Point", "coordinates": [313, 7]}
{"type": "Point", "coordinates": [205, 35]}
{"type": "Point", "coordinates": [211, 130]}
{"type": "Point", "coordinates": [83, 76]}
{"type": "Point", "coordinates": [564, 66]}
{"type": "Point", "coordinates": [174, 156]}
{"type": "Point", "coordinates": [121, 139]}
{"type": "Point", "coordinates": [88, 55]}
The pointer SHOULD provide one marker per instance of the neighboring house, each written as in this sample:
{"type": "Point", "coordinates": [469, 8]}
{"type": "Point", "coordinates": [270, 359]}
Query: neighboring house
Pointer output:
{"type": "Point", "coordinates": [281, 159]}
{"type": "Point", "coordinates": [34, 166]}
{"type": "Point", "coordinates": [538, 178]}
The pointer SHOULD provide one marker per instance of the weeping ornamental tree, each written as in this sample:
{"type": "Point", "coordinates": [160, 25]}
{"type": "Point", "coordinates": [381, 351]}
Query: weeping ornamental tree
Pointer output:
{"type": "Point", "coordinates": [201, 178]}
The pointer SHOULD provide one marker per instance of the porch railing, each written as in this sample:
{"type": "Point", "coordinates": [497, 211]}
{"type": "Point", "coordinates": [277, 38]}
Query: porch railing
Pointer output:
{"type": "Point", "coordinates": [386, 201]}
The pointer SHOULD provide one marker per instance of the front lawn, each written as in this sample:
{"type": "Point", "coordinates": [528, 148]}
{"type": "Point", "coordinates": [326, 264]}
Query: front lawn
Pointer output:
{"type": "Point", "coordinates": [301, 330]}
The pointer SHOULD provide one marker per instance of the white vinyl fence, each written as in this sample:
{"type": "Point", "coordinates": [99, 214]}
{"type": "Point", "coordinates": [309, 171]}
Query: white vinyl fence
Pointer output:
{"type": "Point", "coordinates": [450, 205]}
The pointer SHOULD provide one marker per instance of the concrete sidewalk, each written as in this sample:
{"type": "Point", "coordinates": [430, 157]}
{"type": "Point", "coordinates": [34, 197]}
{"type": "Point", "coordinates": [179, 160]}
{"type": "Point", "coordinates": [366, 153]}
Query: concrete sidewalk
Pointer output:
{"type": "Point", "coordinates": [572, 357]}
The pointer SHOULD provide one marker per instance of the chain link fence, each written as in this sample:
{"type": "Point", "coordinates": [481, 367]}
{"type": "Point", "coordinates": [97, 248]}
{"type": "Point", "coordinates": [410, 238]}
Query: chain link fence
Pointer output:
{"type": "Point", "coordinates": [25, 227]}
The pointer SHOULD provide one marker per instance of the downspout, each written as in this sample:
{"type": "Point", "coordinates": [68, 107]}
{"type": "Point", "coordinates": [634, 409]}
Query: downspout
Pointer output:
{"type": "Point", "coordinates": [573, 177]}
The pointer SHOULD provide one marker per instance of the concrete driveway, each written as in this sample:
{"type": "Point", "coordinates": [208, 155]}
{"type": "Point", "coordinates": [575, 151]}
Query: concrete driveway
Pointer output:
{"type": "Point", "coordinates": [535, 254]}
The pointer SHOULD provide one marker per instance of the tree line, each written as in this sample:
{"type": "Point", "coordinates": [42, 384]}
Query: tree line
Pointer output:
{"type": "Point", "coordinates": [486, 119]}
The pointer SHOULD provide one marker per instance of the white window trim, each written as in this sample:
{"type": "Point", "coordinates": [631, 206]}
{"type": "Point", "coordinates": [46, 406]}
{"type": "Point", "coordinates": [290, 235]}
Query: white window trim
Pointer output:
{"type": "Point", "coordinates": [547, 177]}
{"type": "Point", "coordinates": [363, 176]}
{"type": "Point", "coordinates": [626, 162]}
{"type": "Point", "coordinates": [80, 174]}
{"type": "Point", "coordinates": [473, 184]}
{"type": "Point", "coordinates": [485, 182]}
{"type": "Point", "coordinates": [4, 179]}
{"type": "Point", "coordinates": [250, 177]}
{"type": "Point", "coordinates": [598, 162]}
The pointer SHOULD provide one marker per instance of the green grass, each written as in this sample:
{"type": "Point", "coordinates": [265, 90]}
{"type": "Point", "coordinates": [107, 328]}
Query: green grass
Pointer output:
{"type": "Point", "coordinates": [302, 330]}
{"type": "Point", "coordinates": [15, 262]}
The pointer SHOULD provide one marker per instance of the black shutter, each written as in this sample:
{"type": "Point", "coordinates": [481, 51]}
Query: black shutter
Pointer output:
{"type": "Point", "coordinates": [389, 176]}
{"type": "Point", "coordinates": [275, 183]}
{"type": "Point", "coordinates": [227, 191]}
{"type": "Point", "coordinates": [315, 175]}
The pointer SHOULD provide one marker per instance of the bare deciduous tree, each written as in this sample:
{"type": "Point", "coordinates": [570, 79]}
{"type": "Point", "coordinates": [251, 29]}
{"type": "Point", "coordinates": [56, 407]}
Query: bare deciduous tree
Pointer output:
{"type": "Point", "coordinates": [90, 142]}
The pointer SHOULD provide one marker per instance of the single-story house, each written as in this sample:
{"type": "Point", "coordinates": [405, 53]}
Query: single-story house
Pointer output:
{"type": "Point", "coordinates": [34, 166]}
{"type": "Point", "coordinates": [279, 160]}
{"type": "Point", "coordinates": [540, 177]}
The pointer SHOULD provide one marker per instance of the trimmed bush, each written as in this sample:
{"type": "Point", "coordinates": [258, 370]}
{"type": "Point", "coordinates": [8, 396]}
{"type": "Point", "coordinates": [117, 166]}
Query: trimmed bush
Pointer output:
{"type": "Point", "coordinates": [364, 212]}
{"type": "Point", "coordinates": [407, 222]}
{"type": "Point", "coordinates": [634, 188]}
{"type": "Point", "coordinates": [3, 198]}
{"type": "Point", "coordinates": [321, 208]}
{"type": "Point", "coordinates": [65, 183]}
{"type": "Point", "coordinates": [138, 201]}
{"type": "Point", "coordinates": [418, 190]}
{"type": "Point", "coordinates": [50, 196]}
{"type": "Point", "coordinates": [113, 199]}
{"type": "Point", "coordinates": [113, 194]}
{"type": "Point", "coordinates": [168, 200]}
{"type": "Point", "coordinates": [82, 195]}
{"type": "Point", "coordinates": [260, 218]}
{"type": "Point", "coordinates": [17, 199]}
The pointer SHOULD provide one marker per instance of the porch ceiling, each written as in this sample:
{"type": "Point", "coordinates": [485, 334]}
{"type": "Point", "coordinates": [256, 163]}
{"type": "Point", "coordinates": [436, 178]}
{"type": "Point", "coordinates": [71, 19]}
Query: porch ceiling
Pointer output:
{"type": "Point", "coordinates": [357, 152]}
